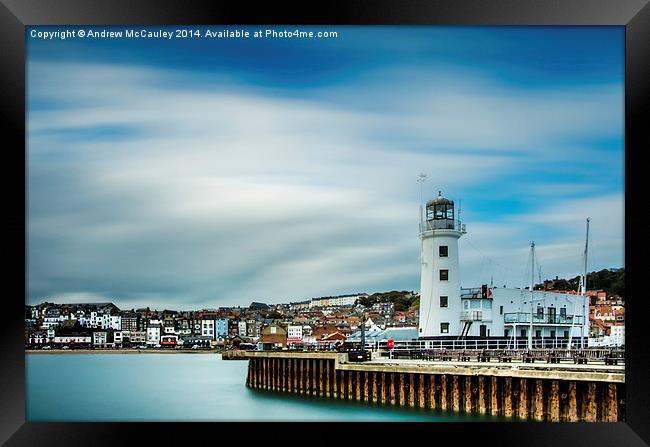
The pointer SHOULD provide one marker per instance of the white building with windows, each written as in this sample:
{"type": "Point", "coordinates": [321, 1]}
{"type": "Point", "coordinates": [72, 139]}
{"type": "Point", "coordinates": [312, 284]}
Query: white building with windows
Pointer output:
{"type": "Point", "coordinates": [208, 328]}
{"type": "Point", "coordinates": [153, 335]}
{"type": "Point", "coordinates": [517, 316]}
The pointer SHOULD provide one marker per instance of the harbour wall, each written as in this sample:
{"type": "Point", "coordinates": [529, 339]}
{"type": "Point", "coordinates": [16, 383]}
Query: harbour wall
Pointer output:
{"type": "Point", "coordinates": [553, 395]}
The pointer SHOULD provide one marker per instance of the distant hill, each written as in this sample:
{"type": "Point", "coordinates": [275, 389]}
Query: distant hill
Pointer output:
{"type": "Point", "coordinates": [612, 281]}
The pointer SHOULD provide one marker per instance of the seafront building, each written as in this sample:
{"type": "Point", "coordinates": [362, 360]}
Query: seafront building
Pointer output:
{"type": "Point", "coordinates": [449, 312]}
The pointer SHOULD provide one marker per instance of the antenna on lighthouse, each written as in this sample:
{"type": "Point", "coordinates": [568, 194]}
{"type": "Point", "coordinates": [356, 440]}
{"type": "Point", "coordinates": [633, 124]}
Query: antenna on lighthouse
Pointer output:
{"type": "Point", "coordinates": [421, 179]}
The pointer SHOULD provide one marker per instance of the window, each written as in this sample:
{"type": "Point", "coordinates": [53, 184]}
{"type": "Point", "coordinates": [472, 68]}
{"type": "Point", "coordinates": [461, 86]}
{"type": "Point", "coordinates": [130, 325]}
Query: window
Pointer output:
{"type": "Point", "coordinates": [475, 304]}
{"type": "Point", "coordinates": [506, 332]}
{"type": "Point", "coordinates": [443, 251]}
{"type": "Point", "coordinates": [538, 333]}
{"type": "Point", "coordinates": [444, 275]}
{"type": "Point", "coordinates": [444, 328]}
{"type": "Point", "coordinates": [540, 312]}
{"type": "Point", "coordinates": [563, 312]}
{"type": "Point", "coordinates": [552, 334]}
{"type": "Point", "coordinates": [444, 301]}
{"type": "Point", "coordinates": [523, 332]}
{"type": "Point", "coordinates": [500, 310]}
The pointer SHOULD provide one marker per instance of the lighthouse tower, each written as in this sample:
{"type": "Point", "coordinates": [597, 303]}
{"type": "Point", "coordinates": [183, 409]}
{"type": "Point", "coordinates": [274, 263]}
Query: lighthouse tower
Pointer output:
{"type": "Point", "coordinates": [440, 303]}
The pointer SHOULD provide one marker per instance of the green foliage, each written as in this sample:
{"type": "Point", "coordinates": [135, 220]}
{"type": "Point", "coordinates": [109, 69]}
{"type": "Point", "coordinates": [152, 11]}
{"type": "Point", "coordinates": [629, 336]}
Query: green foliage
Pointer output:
{"type": "Point", "coordinates": [612, 281]}
{"type": "Point", "coordinates": [401, 300]}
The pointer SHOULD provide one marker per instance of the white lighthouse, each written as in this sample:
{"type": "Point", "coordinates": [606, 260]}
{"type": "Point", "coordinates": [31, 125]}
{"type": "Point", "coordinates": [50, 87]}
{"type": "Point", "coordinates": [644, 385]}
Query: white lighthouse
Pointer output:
{"type": "Point", "coordinates": [440, 303]}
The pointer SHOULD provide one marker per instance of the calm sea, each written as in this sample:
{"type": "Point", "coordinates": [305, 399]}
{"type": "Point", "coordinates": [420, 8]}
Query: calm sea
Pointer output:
{"type": "Point", "coordinates": [180, 387]}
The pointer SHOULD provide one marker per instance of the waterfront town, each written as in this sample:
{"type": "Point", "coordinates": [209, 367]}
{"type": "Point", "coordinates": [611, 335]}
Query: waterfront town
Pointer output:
{"type": "Point", "coordinates": [323, 323]}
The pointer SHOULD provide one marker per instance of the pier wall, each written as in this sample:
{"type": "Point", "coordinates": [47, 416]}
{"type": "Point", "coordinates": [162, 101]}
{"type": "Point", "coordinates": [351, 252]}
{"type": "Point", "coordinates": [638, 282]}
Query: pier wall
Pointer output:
{"type": "Point", "coordinates": [530, 395]}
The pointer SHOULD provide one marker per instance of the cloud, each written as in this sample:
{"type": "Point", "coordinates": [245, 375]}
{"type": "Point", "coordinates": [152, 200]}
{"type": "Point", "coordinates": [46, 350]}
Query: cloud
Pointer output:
{"type": "Point", "coordinates": [152, 193]}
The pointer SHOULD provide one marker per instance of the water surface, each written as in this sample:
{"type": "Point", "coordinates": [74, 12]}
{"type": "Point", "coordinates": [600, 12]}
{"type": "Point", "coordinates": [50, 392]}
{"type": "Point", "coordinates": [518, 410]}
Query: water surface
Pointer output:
{"type": "Point", "coordinates": [181, 387]}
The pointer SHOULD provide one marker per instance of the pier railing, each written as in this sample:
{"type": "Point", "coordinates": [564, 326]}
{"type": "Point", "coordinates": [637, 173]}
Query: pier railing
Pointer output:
{"type": "Point", "coordinates": [486, 350]}
{"type": "Point", "coordinates": [495, 343]}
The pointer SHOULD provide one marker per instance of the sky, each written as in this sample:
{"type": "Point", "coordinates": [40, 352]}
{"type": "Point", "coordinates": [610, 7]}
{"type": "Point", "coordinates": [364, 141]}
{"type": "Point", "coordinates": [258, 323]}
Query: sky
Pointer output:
{"type": "Point", "coordinates": [196, 173]}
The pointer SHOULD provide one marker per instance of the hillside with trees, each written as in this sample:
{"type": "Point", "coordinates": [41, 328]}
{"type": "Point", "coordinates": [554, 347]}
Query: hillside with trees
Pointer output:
{"type": "Point", "coordinates": [402, 300]}
{"type": "Point", "coordinates": [612, 281]}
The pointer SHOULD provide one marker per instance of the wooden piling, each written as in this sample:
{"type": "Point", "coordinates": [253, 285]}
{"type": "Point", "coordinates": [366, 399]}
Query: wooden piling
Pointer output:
{"type": "Point", "coordinates": [421, 401]}
{"type": "Point", "coordinates": [589, 414]}
{"type": "Point", "coordinates": [444, 405]}
{"type": "Point", "coordinates": [611, 403]}
{"type": "Point", "coordinates": [392, 389]}
{"type": "Point", "coordinates": [573, 402]}
{"type": "Point", "coordinates": [538, 401]}
{"type": "Point", "coordinates": [554, 402]}
{"type": "Point", "coordinates": [469, 408]}
{"type": "Point", "coordinates": [321, 373]}
{"type": "Point", "coordinates": [283, 374]}
{"type": "Point", "coordinates": [507, 397]}
{"type": "Point", "coordinates": [432, 391]}
{"type": "Point", "coordinates": [328, 373]}
{"type": "Point", "coordinates": [411, 390]}
{"type": "Point", "coordinates": [522, 411]}
{"type": "Point", "coordinates": [301, 376]}
{"type": "Point", "coordinates": [314, 377]}
{"type": "Point", "coordinates": [455, 393]}
{"type": "Point", "coordinates": [374, 387]}
{"type": "Point", "coordinates": [335, 383]}
{"type": "Point", "coordinates": [494, 396]}
{"type": "Point", "coordinates": [482, 409]}
{"type": "Point", "coordinates": [308, 377]}
{"type": "Point", "coordinates": [350, 388]}
{"type": "Point", "coordinates": [342, 394]}
{"type": "Point", "coordinates": [357, 393]}
{"type": "Point", "coordinates": [384, 387]}
{"type": "Point", "coordinates": [402, 391]}
{"type": "Point", "coordinates": [366, 386]}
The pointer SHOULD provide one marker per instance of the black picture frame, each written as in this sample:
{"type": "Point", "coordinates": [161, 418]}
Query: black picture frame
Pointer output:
{"type": "Point", "coordinates": [16, 14]}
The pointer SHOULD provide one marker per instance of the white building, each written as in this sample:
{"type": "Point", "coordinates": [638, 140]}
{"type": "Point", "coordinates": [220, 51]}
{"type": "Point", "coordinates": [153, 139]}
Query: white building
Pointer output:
{"type": "Point", "coordinates": [616, 338]}
{"type": "Point", "coordinates": [449, 312]}
{"type": "Point", "coordinates": [294, 332]}
{"type": "Point", "coordinates": [208, 328]}
{"type": "Point", "coordinates": [440, 304]}
{"type": "Point", "coordinates": [153, 335]}
{"type": "Point", "coordinates": [100, 339]}
{"type": "Point", "coordinates": [73, 339]}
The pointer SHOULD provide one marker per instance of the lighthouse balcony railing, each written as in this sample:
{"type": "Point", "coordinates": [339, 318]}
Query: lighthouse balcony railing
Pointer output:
{"type": "Point", "coordinates": [542, 318]}
{"type": "Point", "coordinates": [442, 224]}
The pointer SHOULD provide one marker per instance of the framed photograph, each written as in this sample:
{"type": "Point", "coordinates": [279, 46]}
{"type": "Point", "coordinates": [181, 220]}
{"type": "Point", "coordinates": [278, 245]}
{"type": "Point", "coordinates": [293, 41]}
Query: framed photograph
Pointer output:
{"type": "Point", "coordinates": [322, 218]}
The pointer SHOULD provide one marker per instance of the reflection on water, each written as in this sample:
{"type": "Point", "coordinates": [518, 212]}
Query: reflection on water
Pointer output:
{"type": "Point", "coordinates": [182, 387]}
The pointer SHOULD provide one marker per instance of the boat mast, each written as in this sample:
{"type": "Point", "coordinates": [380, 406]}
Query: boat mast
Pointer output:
{"type": "Point", "coordinates": [532, 285]}
{"type": "Point", "coordinates": [584, 285]}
